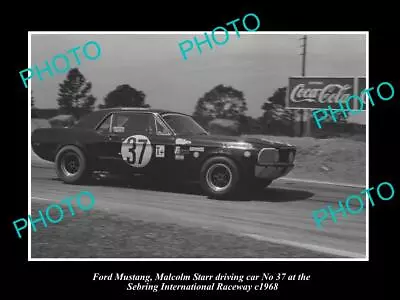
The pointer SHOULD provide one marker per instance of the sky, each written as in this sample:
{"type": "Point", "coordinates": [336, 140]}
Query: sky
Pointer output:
{"type": "Point", "coordinates": [256, 64]}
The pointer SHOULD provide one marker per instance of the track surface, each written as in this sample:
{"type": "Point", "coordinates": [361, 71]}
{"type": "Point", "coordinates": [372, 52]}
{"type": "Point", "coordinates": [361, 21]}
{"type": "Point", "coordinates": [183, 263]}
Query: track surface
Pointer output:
{"type": "Point", "coordinates": [282, 213]}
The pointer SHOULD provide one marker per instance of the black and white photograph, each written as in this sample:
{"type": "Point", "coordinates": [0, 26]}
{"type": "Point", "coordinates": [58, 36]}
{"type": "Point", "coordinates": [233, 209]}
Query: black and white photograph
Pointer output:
{"type": "Point", "coordinates": [198, 145]}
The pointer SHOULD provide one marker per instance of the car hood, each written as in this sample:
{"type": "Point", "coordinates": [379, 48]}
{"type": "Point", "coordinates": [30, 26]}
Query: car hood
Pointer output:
{"type": "Point", "coordinates": [214, 140]}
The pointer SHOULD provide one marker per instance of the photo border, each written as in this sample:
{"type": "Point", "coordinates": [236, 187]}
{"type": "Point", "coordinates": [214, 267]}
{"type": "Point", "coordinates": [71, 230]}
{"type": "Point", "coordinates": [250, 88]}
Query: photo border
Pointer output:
{"type": "Point", "coordinates": [30, 33]}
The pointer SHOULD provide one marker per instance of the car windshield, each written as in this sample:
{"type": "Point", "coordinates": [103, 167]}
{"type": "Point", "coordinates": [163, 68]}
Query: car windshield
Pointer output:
{"type": "Point", "coordinates": [182, 124]}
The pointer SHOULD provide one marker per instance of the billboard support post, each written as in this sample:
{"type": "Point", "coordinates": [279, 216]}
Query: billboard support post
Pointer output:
{"type": "Point", "coordinates": [303, 73]}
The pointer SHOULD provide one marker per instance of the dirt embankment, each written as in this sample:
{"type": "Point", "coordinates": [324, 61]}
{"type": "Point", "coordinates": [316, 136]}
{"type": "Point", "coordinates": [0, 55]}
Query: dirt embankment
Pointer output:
{"type": "Point", "coordinates": [39, 123]}
{"type": "Point", "coordinates": [336, 159]}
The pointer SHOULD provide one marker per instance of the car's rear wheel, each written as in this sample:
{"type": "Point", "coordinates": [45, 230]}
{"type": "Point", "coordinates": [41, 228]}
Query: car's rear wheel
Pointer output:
{"type": "Point", "coordinates": [71, 165]}
{"type": "Point", "coordinates": [219, 177]}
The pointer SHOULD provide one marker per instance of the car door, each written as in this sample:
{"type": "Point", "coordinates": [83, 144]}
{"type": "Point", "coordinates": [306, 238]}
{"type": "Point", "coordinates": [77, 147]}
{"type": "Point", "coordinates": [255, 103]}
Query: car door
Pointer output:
{"type": "Point", "coordinates": [105, 149]}
{"type": "Point", "coordinates": [134, 144]}
{"type": "Point", "coordinates": [164, 142]}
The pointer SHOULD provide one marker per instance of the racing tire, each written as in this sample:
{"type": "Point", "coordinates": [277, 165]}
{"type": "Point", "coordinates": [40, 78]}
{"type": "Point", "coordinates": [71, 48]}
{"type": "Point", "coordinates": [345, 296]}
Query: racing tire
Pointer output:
{"type": "Point", "coordinates": [219, 177]}
{"type": "Point", "coordinates": [71, 165]}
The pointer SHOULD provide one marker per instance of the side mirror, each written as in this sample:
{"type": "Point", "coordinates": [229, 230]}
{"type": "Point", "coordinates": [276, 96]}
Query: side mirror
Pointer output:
{"type": "Point", "coordinates": [117, 129]}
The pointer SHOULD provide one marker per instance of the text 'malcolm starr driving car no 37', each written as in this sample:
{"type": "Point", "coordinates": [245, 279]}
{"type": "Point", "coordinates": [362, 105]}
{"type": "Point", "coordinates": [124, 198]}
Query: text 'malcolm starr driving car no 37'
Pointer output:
{"type": "Point", "coordinates": [164, 144]}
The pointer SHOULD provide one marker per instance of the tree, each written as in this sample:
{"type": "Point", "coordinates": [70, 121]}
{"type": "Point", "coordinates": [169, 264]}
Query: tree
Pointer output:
{"type": "Point", "coordinates": [278, 97]}
{"type": "Point", "coordinates": [249, 125]}
{"type": "Point", "coordinates": [224, 102]}
{"type": "Point", "coordinates": [124, 96]}
{"type": "Point", "coordinates": [74, 94]}
{"type": "Point", "coordinates": [276, 118]}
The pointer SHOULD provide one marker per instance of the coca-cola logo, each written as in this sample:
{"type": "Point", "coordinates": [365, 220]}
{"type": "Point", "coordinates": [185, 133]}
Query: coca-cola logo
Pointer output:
{"type": "Point", "coordinates": [331, 93]}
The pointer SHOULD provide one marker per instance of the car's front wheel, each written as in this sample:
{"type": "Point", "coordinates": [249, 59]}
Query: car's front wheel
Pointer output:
{"type": "Point", "coordinates": [219, 177]}
{"type": "Point", "coordinates": [71, 165]}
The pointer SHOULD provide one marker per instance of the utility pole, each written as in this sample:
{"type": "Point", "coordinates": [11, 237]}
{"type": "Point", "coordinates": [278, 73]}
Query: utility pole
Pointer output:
{"type": "Point", "coordinates": [304, 46]}
{"type": "Point", "coordinates": [303, 73]}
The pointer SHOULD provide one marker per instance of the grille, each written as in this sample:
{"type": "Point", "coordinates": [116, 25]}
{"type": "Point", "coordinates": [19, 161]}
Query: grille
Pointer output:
{"type": "Point", "coordinates": [267, 156]}
{"type": "Point", "coordinates": [284, 155]}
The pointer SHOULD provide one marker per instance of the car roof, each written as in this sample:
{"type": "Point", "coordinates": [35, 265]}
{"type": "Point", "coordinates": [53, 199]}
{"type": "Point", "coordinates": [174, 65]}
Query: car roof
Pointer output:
{"type": "Point", "coordinates": [92, 119]}
{"type": "Point", "coordinates": [135, 109]}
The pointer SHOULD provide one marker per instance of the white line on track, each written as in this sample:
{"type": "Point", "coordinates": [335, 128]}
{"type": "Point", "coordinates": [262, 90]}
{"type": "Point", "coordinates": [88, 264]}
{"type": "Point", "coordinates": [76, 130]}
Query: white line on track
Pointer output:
{"type": "Point", "coordinates": [322, 182]}
{"type": "Point", "coordinates": [38, 198]}
{"type": "Point", "coordinates": [311, 247]}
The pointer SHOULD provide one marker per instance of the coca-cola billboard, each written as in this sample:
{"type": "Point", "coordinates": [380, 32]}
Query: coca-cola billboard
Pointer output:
{"type": "Point", "coordinates": [319, 92]}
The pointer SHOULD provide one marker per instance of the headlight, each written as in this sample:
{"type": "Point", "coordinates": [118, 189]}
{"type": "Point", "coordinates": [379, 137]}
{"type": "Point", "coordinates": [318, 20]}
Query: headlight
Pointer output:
{"type": "Point", "coordinates": [240, 145]}
{"type": "Point", "coordinates": [268, 156]}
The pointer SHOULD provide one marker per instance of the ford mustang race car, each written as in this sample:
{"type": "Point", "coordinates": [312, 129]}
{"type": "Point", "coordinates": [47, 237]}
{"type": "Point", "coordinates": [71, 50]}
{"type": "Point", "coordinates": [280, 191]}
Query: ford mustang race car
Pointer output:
{"type": "Point", "coordinates": [163, 144]}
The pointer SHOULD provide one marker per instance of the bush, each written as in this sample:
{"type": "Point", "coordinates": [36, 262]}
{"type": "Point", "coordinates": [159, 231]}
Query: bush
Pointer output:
{"type": "Point", "coordinates": [224, 127]}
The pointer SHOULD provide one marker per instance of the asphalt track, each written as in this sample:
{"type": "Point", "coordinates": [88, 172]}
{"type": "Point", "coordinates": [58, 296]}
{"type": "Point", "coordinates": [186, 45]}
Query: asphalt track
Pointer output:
{"type": "Point", "coordinates": [282, 213]}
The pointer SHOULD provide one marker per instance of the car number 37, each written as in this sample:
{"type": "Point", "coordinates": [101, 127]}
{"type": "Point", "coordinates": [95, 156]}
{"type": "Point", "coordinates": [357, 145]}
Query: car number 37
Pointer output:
{"type": "Point", "coordinates": [136, 151]}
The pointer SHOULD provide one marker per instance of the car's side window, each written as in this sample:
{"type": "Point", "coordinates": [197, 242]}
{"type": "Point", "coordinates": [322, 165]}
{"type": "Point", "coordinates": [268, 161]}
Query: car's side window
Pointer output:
{"type": "Point", "coordinates": [161, 129]}
{"type": "Point", "coordinates": [120, 120]}
{"type": "Point", "coordinates": [135, 122]}
{"type": "Point", "coordinates": [105, 125]}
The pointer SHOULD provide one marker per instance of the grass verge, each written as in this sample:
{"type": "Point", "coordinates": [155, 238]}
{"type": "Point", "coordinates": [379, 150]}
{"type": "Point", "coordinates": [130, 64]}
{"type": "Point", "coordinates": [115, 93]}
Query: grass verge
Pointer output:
{"type": "Point", "coordinates": [99, 234]}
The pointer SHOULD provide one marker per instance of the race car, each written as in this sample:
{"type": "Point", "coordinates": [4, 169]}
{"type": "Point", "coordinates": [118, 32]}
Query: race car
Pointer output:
{"type": "Point", "coordinates": [163, 144]}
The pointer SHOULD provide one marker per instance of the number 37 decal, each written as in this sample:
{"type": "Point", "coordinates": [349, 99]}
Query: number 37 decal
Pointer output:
{"type": "Point", "coordinates": [136, 150]}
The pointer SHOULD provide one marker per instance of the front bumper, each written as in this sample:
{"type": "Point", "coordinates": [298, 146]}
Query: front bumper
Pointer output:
{"type": "Point", "coordinates": [272, 172]}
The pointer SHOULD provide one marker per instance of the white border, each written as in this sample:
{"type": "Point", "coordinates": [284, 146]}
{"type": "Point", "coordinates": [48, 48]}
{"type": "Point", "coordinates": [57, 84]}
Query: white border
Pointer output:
{"type": "Point", "coordinates": [29, 148]}
{"type": "Point", "coordinates": [199, 259]}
